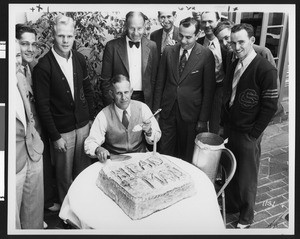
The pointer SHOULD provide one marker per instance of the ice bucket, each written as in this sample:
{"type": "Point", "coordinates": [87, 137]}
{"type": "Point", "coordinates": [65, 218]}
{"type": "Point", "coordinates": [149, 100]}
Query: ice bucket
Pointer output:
{"type": "Point", "coordinates": [207, 153]}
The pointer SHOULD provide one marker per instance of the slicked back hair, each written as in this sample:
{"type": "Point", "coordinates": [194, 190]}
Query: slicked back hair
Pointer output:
{"type": "Point", "coordinates": [247, 27]}
{"type": "Point", "coordinates": [21, 28]}
{"type": "Point", "coordinates": [187, 22]}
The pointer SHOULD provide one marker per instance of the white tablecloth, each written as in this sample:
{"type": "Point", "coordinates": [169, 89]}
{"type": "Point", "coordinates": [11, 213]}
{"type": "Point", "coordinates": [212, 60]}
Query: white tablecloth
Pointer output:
{"type": "Point", "coordinates": [88, 207]}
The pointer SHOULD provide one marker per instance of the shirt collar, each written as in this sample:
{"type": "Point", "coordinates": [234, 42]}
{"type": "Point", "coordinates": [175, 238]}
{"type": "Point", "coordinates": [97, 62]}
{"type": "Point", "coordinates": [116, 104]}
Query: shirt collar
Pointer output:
{"type": "Point", "coordinates": [120, 111]}
{"type": "Point", "coordinates": [128, 39]}
{"type": "Point", "coordinates": [249, 58]}
{"type": "Point", "coordinates": [207, 41]}
{"type": "Point", "coordinates": [188, 51]}
{"type": "Point", "coordinates": [57, 56]}
{"type": "Point", "coordinates": [170, 32]}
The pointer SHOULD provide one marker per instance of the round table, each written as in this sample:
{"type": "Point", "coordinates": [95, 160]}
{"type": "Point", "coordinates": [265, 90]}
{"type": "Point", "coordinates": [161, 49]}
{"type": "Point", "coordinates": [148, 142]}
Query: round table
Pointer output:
{"type": "Point", "coordinates": [89, 208]}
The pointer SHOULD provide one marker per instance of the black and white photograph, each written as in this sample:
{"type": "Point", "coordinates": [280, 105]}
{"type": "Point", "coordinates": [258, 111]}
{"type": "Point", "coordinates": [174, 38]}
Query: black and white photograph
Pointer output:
{"type": "Point", "coordinates": [149, 119]}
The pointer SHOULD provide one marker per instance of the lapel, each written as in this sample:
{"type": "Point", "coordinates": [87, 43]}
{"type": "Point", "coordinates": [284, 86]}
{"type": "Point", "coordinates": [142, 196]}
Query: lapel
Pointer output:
{"type": "Point", "coordinates": [145, 55]}
{"type": "Point", "coordinates": [22, 86]}
{"type": "Point", "coordinates": [158, 39]}
{"type": "Point", "coordinates": [122, 52]}
{"type": "Point", "coordinates": [175, 61]}
{"type": "Point", "coordinates": [175, 33]}
{"type": "Point", "coordinates": [193, 59]}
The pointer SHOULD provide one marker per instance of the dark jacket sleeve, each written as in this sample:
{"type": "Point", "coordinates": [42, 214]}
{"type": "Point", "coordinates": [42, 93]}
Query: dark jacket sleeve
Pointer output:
{"type": "Point", "coordinates": [269, 99]}
{"type": "Point", "coordinates": [209, 84]}
{"type": "Point", "coordinates": [41, 88]}
{"type": "Point", "coordinates": [87, 87]}
{"type": "Point", "coordinates": [107, 73]}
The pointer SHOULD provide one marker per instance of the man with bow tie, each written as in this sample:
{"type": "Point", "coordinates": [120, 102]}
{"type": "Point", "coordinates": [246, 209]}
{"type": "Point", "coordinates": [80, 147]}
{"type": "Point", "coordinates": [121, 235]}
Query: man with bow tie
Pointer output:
{"type": "Point", "coordinates": [134, 56]}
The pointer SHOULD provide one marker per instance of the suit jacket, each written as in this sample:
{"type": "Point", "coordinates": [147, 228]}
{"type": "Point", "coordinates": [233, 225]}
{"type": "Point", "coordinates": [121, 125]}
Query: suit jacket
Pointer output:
{"type": "Point", "coordinates": [28, 144]}
{"type": "Point", "coordinates": [115, 61]}
{"type": "Point", "coordinates": [225, 54]}
{"type": "Point", "coordinates": [193, 91]}
{"type": "Point", "coordinates": [156, 36]}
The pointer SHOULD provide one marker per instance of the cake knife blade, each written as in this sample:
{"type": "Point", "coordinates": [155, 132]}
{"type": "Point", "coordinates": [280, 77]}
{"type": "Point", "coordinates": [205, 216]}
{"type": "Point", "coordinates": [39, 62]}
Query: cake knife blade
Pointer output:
{"type": "Point", "coordinates": [118, 157]}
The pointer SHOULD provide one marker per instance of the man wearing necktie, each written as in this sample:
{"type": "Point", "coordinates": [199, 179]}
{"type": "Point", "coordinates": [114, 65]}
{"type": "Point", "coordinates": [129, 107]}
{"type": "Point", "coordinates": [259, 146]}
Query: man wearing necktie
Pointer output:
{"type": "Point", "coordinates": [113, 131]}
{"type": "Point", "coordinates": [168, 34]}
{"type": "Point", "coordinates": [249, 103]}
{"type": "Point", "coordinates": [134, 56]}
{"type": "Point", "coordinates": [184, 90]}
{"type": "Point", "coordinates": [209, 21]}
{"type": "Point", "coordinates": [29, 159]}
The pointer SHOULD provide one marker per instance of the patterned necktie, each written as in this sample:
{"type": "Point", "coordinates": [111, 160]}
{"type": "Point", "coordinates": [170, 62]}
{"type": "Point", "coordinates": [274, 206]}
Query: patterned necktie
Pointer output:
{"type": "Point", "coordinates": [236, 78]}
{"type": "Point", "coordinates": [182, 62]}
{"type": "Point", "coordinates": [125, 121]}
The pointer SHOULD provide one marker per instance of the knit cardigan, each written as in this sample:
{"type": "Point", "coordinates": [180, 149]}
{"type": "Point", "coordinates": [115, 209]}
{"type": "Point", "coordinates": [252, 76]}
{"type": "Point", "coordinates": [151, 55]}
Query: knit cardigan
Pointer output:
{"type": "Point", "coordinates": [256, 98]}
{"type": "Point", "coordinates": [58, 111]}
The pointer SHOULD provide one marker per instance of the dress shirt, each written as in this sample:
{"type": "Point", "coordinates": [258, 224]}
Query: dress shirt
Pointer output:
{"type": "Point", "coordinates": [248, 59]}
{"type": "Point", "coordinates": [66, 65]}
{"type": "Point", "coordinates": [135, 65]}
{"type": "Point", "coordinates": [218, 57]}
{"type": "Point", "coordinates": [99, 127]}
{"type": "Point", "coordinates": [187, 54]}
{"type": "Point", "coordinates": [167, 38]}
{"type": "Point", "coordinates": [20, 108]}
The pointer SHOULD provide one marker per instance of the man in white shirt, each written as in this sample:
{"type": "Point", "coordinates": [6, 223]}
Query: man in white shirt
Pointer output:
{"type": "Point", "coordinates": [168, 34]}
{"type": "Point", "coordinates": [64, 99]}
{"type": "Point", "coordinates": [113, 130]}
{"type": "Point", "coordinates": [209, 21]}
{"type": "Point", "coordinates": [134, 56]}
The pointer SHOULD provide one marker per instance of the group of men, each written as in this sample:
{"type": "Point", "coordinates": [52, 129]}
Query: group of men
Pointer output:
{"type": "Point", "coordinates": [217, 83]}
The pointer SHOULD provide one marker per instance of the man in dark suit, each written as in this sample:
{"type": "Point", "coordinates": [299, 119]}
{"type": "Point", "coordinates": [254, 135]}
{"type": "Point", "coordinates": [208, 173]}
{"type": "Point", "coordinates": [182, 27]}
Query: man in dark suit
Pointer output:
{"type": "Point", "coordinates": [133, 56]}
{"type": "Point", "coordinates": [209, 21]}
{"type": "Point", "coordinates": [184, 90]}
{"type": "Point", "coordinates": [168, 34]}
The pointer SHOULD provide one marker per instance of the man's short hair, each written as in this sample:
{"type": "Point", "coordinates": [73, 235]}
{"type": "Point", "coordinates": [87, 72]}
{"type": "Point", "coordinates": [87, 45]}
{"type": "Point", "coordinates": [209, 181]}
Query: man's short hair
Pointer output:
{"type": "Point", "coordinates": [173, 13]}
{"type": "Point", "coordinates": [187, 22]}
{"type": "Point", "coordinates": [222, 25]}
{"type": "Point", "coordinates": [21, 28]}
{"type": "Point", "coordinates": [218, 15]}
{"type": "Point", "coordinates": [132, 13]}
{"type": "Point", "coordinates": [247, 27]}
{"type": "Point", "coordinates": [63, 19]}
{"type": "Point", "coordinates": [118, 78]}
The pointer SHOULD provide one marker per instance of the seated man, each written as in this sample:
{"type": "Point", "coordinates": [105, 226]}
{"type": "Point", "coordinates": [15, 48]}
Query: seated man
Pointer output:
{"type": "Point", "coordinates": [113, 126]}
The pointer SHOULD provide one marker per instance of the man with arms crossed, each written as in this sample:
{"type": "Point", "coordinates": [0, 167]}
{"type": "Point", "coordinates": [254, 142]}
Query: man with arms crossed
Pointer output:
{"type": "Point", "coordinates": [64, 100]}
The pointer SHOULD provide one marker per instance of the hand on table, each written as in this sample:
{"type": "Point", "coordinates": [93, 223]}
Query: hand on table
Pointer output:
{"type": "Point", "coordinates": [102, 154]}
{"type": "Point", "coordinates": [60, 145]}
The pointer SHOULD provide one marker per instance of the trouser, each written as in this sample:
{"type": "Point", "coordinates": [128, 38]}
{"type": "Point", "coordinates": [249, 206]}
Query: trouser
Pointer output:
{"type": "Point", "coordinates": [214, 121]}
{"type": "Point", "coordinates": [70, 163]}
{"type": "Point", "coordinates": [241, 191]}
{"type": "Point", "coordinates": [30, 196]}
{"type": "Point", "coordinates": [50, 193]}
{"type": "Point", "coordinates": [178, 136]}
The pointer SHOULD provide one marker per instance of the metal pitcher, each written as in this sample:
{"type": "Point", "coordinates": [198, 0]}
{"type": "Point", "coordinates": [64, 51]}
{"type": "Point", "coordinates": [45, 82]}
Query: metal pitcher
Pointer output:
{"type": "Point", "coordinates": [207, 153]}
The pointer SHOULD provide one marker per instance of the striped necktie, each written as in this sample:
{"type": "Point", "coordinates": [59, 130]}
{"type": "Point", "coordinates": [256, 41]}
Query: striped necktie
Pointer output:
{"type": "Point", "coordinates": [182, 62]}
{"type": "Point", "coordinates": [125, 121]}
{"type": "Point", "coordinates": [235, 81]}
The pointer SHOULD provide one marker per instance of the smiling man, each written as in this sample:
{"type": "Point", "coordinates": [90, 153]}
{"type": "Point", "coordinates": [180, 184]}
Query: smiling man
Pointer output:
{"type": "Point", "coordinates": [168, 34]}
{"type": "Point", "coordinates": [249, 103]}
{"type": "Point", "coordinates": [112, 131]}
{"type": "Point", "coordinates": [64, 100]}
{"type": "Point", "coordinates": [134, 56]}
{"type": "Point", "coordinates": [184, 90]}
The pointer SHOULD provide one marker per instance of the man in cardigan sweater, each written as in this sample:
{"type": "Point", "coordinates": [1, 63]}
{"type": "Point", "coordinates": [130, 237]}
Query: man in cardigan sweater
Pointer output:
{"type": "Point", "coordinates": [110, 134]}
{"type": "Point", "coordinates": [64, 100]}
{"type": "Point", "coordinates": [249, 103]}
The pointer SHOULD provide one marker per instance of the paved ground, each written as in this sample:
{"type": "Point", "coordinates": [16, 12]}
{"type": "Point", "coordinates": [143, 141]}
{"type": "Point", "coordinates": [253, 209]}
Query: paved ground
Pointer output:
{"type": "Point", "coordinates": [272, 195]}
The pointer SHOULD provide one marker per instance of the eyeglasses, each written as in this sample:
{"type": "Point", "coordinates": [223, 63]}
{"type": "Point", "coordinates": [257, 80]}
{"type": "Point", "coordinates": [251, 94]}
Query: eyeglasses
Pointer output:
{"type": "Point", "coordinates": [27, 44]}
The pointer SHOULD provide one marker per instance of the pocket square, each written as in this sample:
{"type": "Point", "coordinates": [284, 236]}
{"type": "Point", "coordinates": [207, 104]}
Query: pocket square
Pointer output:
{"type": "Point", "coordinates": [194, 72]}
